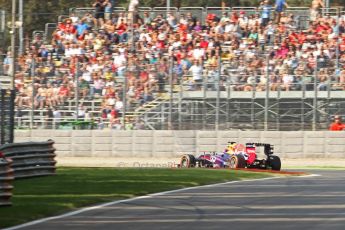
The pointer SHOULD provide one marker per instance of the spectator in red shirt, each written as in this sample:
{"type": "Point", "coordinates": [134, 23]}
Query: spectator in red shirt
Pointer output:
{"type": "Point", "coordinates": [337, 125]}
{"type": "Point", "coordinates": [203, 43]}
{"type": "Point", "coordinates": [121, 30]}
{"type": "Point", "coordinates": [68, 27]}
{"type": "Point", "coordinates": [61, 26]}
{"type": "Point", "coordinates": [63, 93]}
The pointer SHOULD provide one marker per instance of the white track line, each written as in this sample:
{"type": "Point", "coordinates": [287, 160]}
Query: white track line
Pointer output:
{"type": "Point", "coordinates": [133, 199]}
{"type": "Point", "coordinates": [310, 175]}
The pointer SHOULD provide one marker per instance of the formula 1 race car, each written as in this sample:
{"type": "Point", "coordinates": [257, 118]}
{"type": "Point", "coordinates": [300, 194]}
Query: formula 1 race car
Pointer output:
{"type": "Point", "coordinates": [234, 156]}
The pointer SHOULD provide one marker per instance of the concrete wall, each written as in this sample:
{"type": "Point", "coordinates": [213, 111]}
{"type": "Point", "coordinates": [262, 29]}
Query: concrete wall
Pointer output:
{"type": "Point", "coordinates": [165, 143]}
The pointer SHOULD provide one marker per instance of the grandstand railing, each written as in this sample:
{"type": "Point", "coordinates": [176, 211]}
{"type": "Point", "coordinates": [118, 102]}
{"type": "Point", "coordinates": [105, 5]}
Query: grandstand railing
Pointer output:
{"type": "Point", "coordinates": [48, 30]}
{"type": "Point", "coordinates": [217, 11]}
{"type": "Point", "coordinates": [330, 11]}
{"type": "Point", "coordinates": [301, 14]}
{"type": "Point", "coordinates": [201, 12]}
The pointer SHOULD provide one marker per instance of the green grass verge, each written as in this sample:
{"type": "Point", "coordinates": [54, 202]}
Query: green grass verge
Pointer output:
{"type": "Point", "coordinates": [73, 188]}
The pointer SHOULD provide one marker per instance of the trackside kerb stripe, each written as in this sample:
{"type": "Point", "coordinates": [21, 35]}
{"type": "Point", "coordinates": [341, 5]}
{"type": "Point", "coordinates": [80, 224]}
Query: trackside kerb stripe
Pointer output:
{"type": "Point", "coordinates": [130, 200]}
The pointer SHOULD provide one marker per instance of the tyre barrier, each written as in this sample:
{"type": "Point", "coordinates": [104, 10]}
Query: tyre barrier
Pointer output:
{"type": "Point", "coordinates": [31, 159]}
{"type": "Point", "coordinates": [6, 178]}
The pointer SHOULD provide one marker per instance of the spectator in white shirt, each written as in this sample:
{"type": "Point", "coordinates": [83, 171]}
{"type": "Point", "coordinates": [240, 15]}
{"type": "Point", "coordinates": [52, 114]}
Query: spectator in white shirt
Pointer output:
{"type": "Point", "coordinates": [196, 70]}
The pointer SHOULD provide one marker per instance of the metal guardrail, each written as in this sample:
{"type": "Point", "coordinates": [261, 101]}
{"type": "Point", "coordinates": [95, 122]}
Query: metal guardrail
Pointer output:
{"type": "Point", "coordinates": [200, 13]}
{"type": "Point", "coordinates": [197, 12]}
{"type": "Point", "coordinates": [6, 178]}
{"type": "Point", "coordinates": [62, 17]}
{"type": "Point", "coordinates": [218, 11]}
{"type": "Point", "coordinates": [49, 30]}
{"type": "Point", "coordinates": [330, 11]}
{"type": "Point", "coordinates": [248, 10]}
{"type": "Point", "coordinates": [31, 159]}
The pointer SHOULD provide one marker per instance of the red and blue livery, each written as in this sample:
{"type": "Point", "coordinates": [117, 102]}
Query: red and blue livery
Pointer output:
{"type": "Point", "coordinates": [234, 156]}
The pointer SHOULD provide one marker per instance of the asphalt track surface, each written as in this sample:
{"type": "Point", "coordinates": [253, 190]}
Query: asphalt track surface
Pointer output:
{"type": "Point", "coordinates": [314, 202]}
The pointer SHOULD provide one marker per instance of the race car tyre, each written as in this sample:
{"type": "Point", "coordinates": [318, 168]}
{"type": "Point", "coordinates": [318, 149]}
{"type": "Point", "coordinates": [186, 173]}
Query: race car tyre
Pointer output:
{"type": "Point", "coordinates": [187, 161]}
{"type": "Point", "coordinates": [275, 163]}
{"type": "Point", "coordinates": [237, 161]}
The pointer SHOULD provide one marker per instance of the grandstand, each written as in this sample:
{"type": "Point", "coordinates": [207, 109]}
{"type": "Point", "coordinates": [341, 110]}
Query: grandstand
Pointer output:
{"type": "Point", "coordinates": [184, 68]}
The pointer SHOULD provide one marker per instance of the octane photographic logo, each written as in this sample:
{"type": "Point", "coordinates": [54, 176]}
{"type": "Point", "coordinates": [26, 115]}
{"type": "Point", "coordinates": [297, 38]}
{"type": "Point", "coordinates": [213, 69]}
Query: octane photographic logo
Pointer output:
{"type": "Point", "coordinates": [138, 164]}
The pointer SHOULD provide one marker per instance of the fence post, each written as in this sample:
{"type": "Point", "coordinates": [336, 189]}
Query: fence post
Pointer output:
{"type": "Point", "coordinates": [315, 96]}
{"type": "Point", "coordinates": [21, 30]}
{"type": "Point", "coordinates": [267, 92]}
{"type": "Point", "coordinates": [77, 90]}
{"type": "Point", "coordinates": [124, 95]}
{"type": "Point", "coordinates": [218, 88]}
{"type": "Point", "coordinates": [13, 44]}
{"type": "Point", "coordinates": [33, 93]}
{"type": "Point", "coordinates": [171, 65]}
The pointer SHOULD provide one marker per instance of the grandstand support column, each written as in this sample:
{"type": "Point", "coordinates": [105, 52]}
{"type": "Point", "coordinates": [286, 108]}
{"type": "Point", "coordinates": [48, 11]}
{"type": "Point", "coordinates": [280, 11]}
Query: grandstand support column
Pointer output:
{"type": "Point", "coordinates": [171, 65]}
{"type": "Point", "coordinates": [204, 106]}
{"type": "Point", "coordinates": [226, 104]}
{"type": "Point", "coordinates": [326, 3]}
{"type": "Point", "coordinates": [218, 88]}
{"type": "Point", "coordinates": [76, 91]}
{"type": "Point", "coordinates": [278, 105]}
{"type": "Point", "coordinates": [162, 117]}
{"type": "Point", "coordinates": [252, 107]}
{"type": "Point", "coordinates": [124, 101]}
{"type": "Point", "coordinates": [337, 44]}
{"type": "Point", "coordinates": [303, 109]}
{"type": "Point", "coordinates": [315, 96]}
{"type": "Point", "coordinates": [228, 101]}
{"type": "Point", "coordinates": [335, 74]}
{"type": "Point", "coordinates": [180, 104]}
{"type": "Point", "coordinates": [267, 92]}
{"type": "Point", "coordinates": [13, 43]}
{"type": "Point", "coordinates": [21, 29]}
{"type": "Point", "coordinates": [33, 66]}
{"type": "Point", "coordinates": [168, 5]}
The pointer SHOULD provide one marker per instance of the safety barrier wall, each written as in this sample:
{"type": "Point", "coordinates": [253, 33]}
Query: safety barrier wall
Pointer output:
{"type": "Point", "coordinates": [31, 159]}
{"type": "Point", "coordinates": [6, 178]}
{"type": "Point", "coordinates": [166, 143]}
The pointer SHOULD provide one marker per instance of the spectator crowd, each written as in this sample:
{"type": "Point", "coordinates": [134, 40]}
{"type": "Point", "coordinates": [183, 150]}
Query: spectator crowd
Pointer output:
{"type": "Point", "coordinates": [107, 55]}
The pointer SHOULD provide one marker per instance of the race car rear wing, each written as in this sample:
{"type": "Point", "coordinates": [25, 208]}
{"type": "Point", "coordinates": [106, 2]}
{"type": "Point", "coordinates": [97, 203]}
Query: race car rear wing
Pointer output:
{"type": "Point", "coordinates": [268, 148]}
